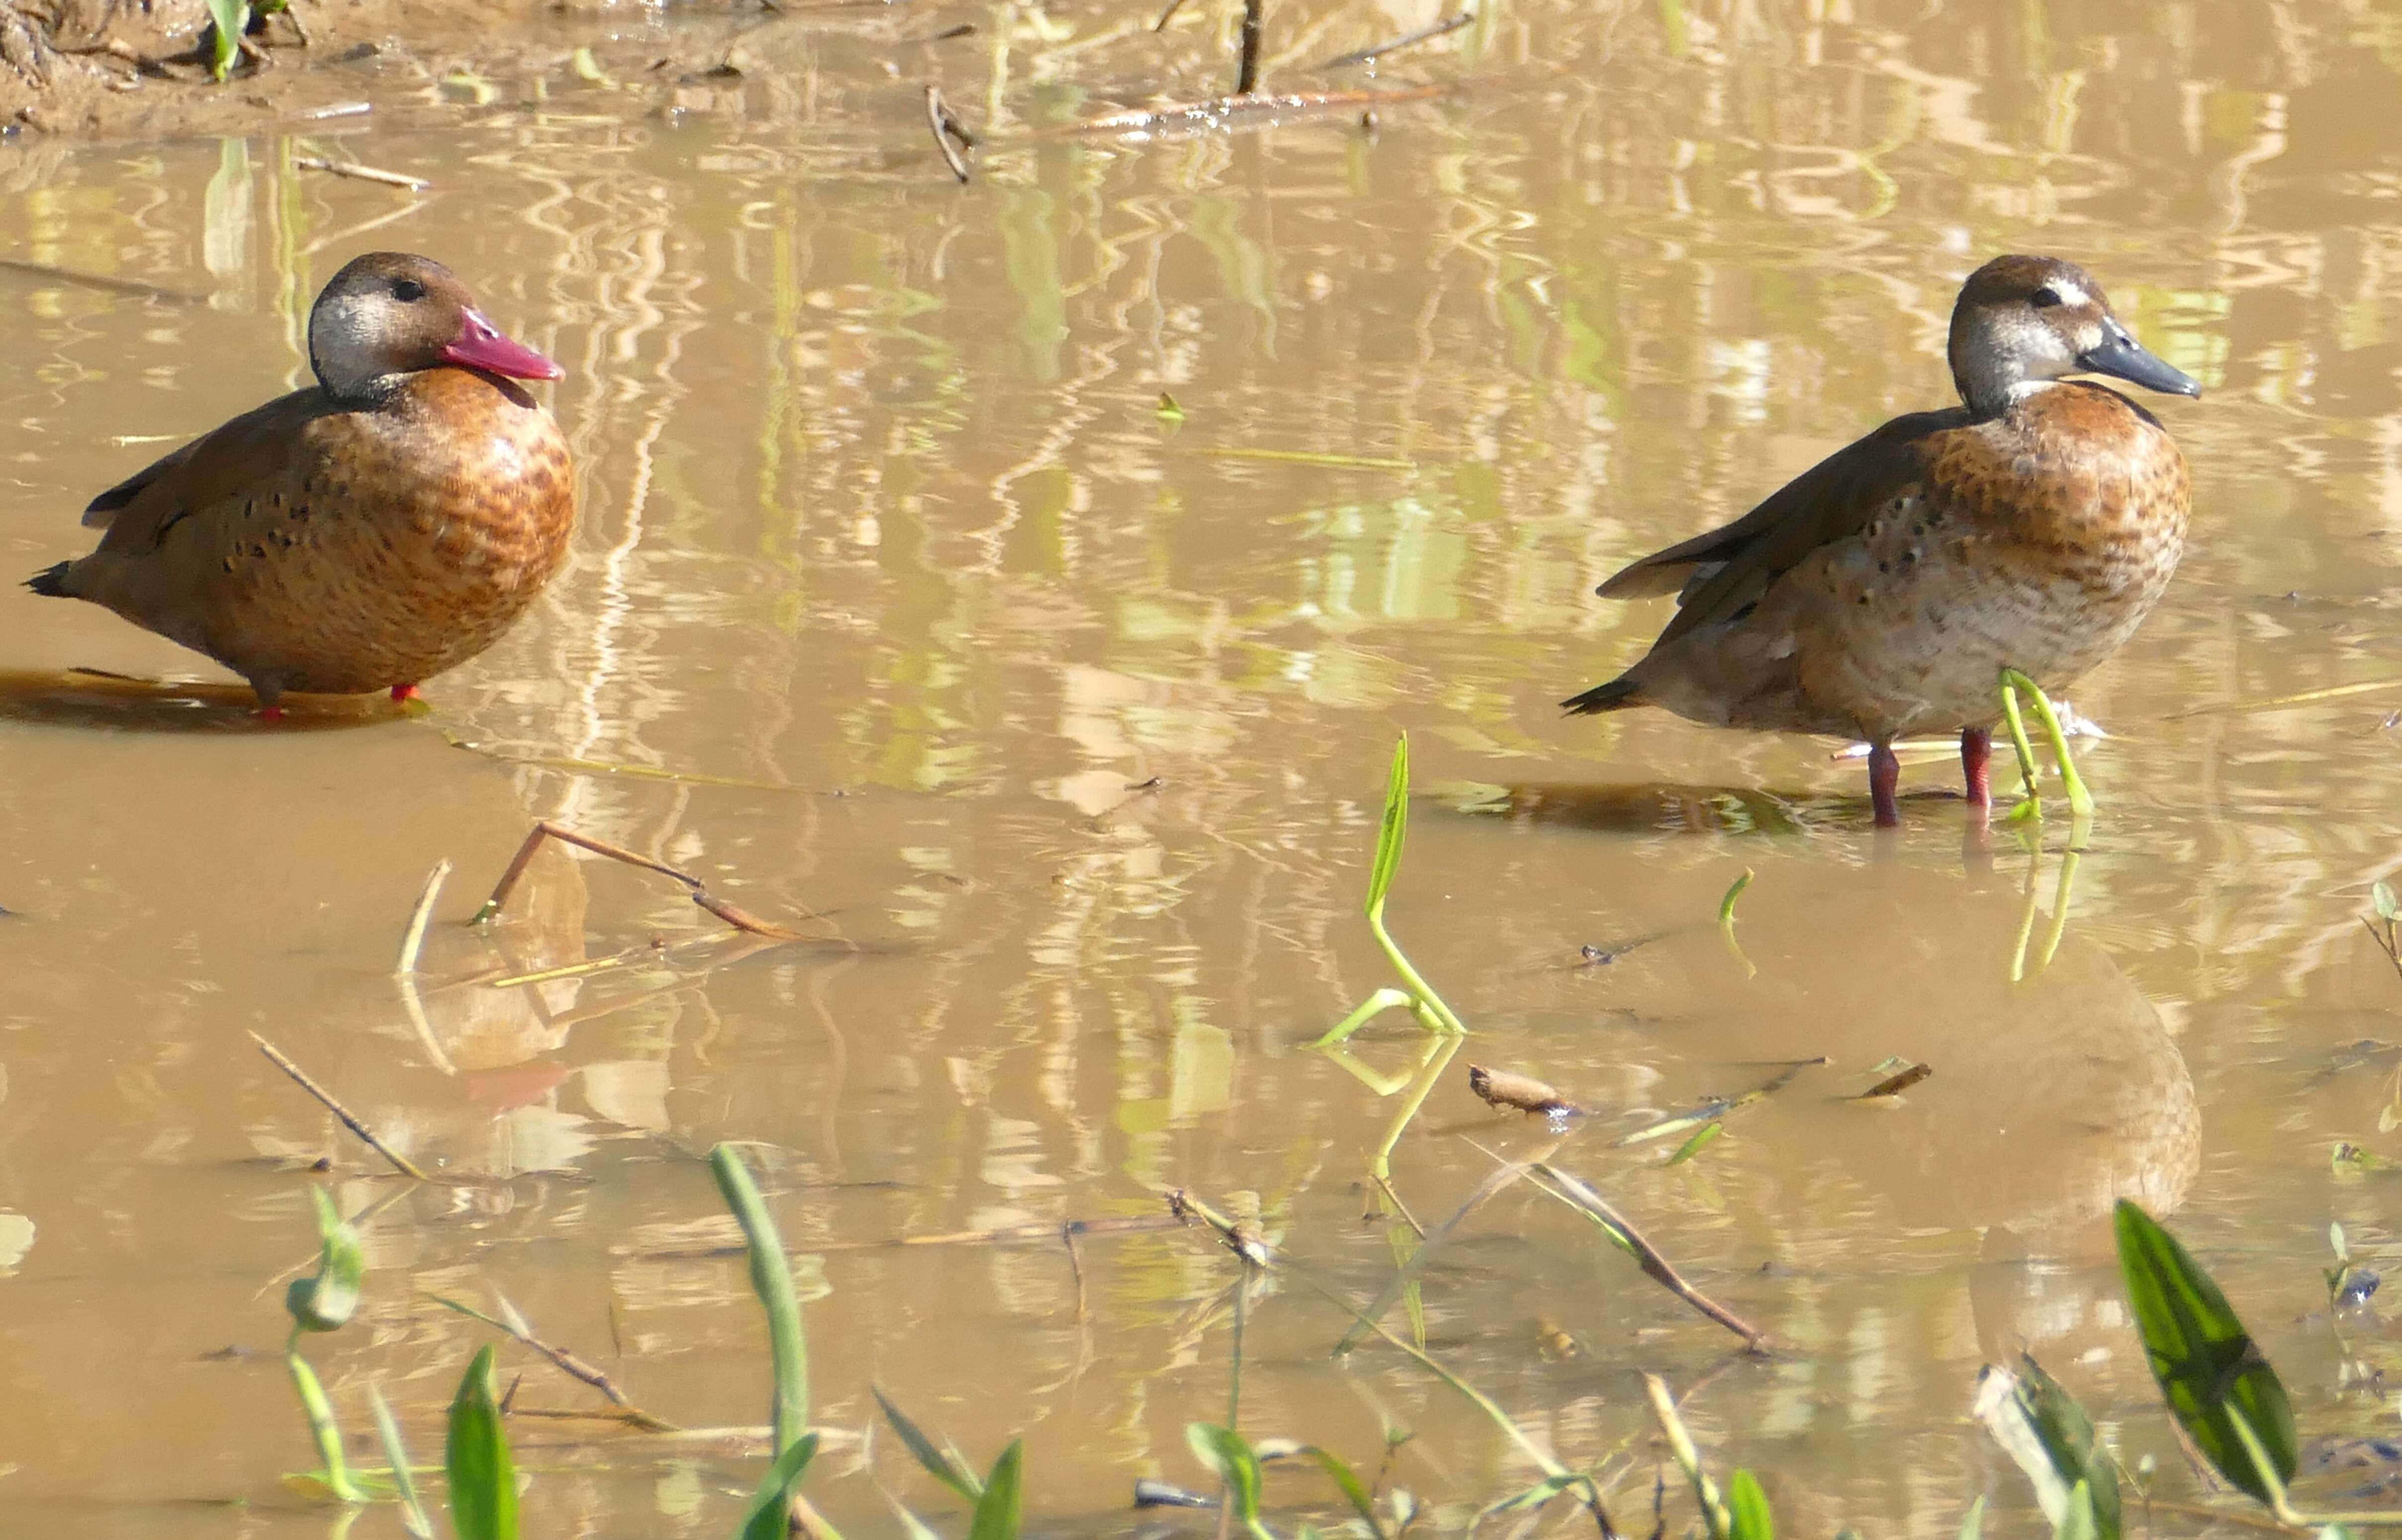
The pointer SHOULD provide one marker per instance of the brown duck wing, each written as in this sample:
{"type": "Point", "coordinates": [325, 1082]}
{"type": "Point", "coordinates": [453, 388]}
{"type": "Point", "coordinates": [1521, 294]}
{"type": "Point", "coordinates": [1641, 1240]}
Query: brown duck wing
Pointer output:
{"type": "Point", "coordinates": [244, 452]}
{"type": "Point", "coordinates": [1727, 569]}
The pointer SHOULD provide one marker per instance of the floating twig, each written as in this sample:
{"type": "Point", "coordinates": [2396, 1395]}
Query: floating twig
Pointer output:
{"type": "Point", "coordinates": [1717, 1107]}
{"type": "Point", "coordinates": [1580, 1195]}
{"type": "Point", "coordinates": [1227, 112]}
{"type": "Point", "coordinates": [573, 1366]}
{"type": "Point", "coordinates": [277, 1057]}
{"type": "Point", "coordinates": [413, 940]}
{"type": "Point", "coordinates": [357, 172]}
{"type": "Point", "coordinates": [1407, 40]}
{"type": "Point", "coordinates": [1898, 1082]}
{"type": "Point", "coordinates": [947, 127]}
{"type": "Point", "coordinates": [1247, 79]}
{"type": "Point", "coordinates": [740, 919]}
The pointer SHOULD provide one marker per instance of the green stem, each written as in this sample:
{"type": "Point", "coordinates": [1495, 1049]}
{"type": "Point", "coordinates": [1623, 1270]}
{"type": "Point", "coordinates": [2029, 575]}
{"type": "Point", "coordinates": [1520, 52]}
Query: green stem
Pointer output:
{"type": "Point", "coordinates": [1370, 1008]}
{"type": "Point", "coordinates": [321, 1426]}
{"type": "Point", "coordinates": [1419, 987]}
{"type": "Point", "coordinates": [1380, 1166]}
{"type": "Point", "coordinates": [1680, 1444]}
{"type": "Point", "coordinates": [771, 1278]}
{"type": "Point", "coordinates": [2031, 800]}
{"type": "Point", "coordinates": [2081, 801]}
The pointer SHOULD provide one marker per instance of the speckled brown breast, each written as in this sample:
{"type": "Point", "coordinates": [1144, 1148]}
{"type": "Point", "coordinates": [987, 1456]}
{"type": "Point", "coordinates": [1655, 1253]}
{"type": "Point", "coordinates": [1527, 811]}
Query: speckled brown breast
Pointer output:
{"type": "Point", "coordinates": [2037, 541]}
{"type": "Point", "coordinates": [373, 547]}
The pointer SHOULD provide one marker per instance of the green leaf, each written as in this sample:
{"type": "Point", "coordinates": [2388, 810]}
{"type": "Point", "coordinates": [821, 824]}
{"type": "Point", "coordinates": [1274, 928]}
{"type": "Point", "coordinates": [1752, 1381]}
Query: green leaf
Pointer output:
{"type": "Point", "coordinates": [1972, 1523]}
{"type": "Point", "coordinates": [1168, 411]}
{"type": "Point", "coordinates": [483, 1481]}
{"type": "Point", "coordinates": [771, 1279]}
{"type": "Point", "coordinates": [769, 1515]}
{"type": "Point", "coordinates": [327, 1300]}
{"type": "Point", "coordinates": [1747, 1514]}
{"type": "Point", "coordinates": [1223, 1450]}
{"type": "Point", "coordinates": [1699, 1141]}
{"type": "Point", "coordinates": [1002, 1508]}
{"type": "Point", "coordinates": [1355, 1492]}
{"type": "Point", "coordinates": [2077, 1523]}
{"type": "Point", "coordinates": [942, 1464]}
{"type": "Point", "coordinates": [1395, 828]}
{"type": "Point", "coordinates": [322, 1427]}
{"type": "Point", "coordinates": [2335, 1241]}
{"type": "Point", "coordinates": [1726, 904]}
{"type": "Point", "coordinates": [230, 20]}
{"type": "Point", "coordinates": [2207, 1364]}
{"type": "Point", "coordinates": [2382, 894]}
{"type": "Point", "coordinates": [412, 1508]}
{"type": "Point", "coordinates": [2041, 1427]}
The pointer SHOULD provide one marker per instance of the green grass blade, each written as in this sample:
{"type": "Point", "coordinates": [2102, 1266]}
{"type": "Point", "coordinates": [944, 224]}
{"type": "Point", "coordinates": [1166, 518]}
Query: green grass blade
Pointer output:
{"type": "Point", "coordinates": [2077, 1523]}
{"type": "Point", "coordinates": [912, 1526]}
{"type": "Point", "coordinates": [771, 1277]}
{"type": "Point", "coordinates": [2204, 1360]}
{"type": "Point", "coordinates": [1002, 1508]}
{"type": "Point", "coordinates": [1747, 1514]}
{"type": "Point", "coordinates": [232, 17]}
{"type": "Point", "coordinates": [412, 1509]}
{"type": "Point", "coordinates": [1972, 1523]}
{"type": "Point", "coordinates": [769, 1515]}
{"type": "Point", "coordinates": [1394, 829]}
{"type": "Point", "coordinates": [1355, 1492]}
{"type": "Point", "coordinates": [326, 1302]}
{"type": "Point", "coordinates": [483, 1480]}
{"type": "Point", "coordinates": [1227, 1452]}
{"type": "Point", "coordinates": [942, 1464]}
{"type": "Point", "coordinates": [322, 1428]}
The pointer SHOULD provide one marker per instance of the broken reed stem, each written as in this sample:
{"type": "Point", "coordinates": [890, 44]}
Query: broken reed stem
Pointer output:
{"type": "Point", "coordinates": [1655, 1266]}
{"type": "Point", "coordinates": [1407, 40]}
{"type": "Point", "coordinates": [568, 1363]}
{"type": "Point", "coordinates": [946, 127]}
{"type": "Point", "coordinates": [361, 173]}
{"type": "Point", "coordinates": [1680, 1444]}
{"type": "Point", "coordinates": [277, 1057]}
{"type": "Point", "coordinates": [413, 940]}
{"type": "Point", "coordinates": [740, 919]}
{"type": "Point", "coordinates": [1247, 79]}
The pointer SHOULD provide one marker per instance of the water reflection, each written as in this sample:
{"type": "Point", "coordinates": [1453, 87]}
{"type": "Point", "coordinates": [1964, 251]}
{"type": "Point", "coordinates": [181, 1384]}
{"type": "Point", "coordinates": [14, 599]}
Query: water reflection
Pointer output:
{"type": "Point", "coordinates": [898, 598]}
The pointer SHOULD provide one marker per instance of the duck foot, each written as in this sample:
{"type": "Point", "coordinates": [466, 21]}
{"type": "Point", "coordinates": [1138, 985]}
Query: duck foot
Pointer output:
{"type": "Point", "coordinates": [270, 713]}
{"type": "Point", "coordinates": [406, 692]}
{"type": "Point", "coordinates": [1884, 784]}
{"type": "Point", "coordinates": [1976, 759]}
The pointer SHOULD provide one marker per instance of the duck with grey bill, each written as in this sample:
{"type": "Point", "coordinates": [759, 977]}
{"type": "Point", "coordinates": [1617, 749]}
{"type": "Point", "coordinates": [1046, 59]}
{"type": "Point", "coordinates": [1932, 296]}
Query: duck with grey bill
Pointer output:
{"type": "Point", "coordinates": [367, 532]}
{"type": "Point", "coordinates": [1883, 591]}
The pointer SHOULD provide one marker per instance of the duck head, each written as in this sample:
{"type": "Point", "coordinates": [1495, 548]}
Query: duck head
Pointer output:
{"type": "Point", "coordinates": [2022, 322]}
{"type": "Point", "coordinates": [388, 314]}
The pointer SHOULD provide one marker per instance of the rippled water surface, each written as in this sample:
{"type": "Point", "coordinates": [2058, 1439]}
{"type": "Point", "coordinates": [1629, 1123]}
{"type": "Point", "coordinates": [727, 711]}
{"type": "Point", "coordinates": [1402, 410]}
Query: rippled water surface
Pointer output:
{"type": "Point", "coordinates": [897, 601]}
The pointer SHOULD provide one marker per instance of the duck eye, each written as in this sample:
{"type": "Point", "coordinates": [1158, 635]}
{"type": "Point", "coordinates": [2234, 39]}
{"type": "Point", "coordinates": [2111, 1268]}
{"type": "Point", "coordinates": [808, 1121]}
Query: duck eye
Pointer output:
{"type": "Point", "coordinates": [409, 291]}
{"type": "Point", "coordinates": [2044, 298]}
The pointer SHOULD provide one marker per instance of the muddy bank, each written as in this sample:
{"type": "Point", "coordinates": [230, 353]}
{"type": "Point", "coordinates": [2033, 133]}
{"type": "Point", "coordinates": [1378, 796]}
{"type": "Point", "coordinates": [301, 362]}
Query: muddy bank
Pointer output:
{"type": "Point", "coordinates": [94, 68]}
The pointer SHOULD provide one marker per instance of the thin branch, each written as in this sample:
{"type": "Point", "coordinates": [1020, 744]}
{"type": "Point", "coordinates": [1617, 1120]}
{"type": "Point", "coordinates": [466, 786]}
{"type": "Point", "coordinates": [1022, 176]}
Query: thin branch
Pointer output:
{"type": "Point", "coordinates": [569, 1363]}
{"type": "Point", "coordinates": [413, 940]}
{"type": "Point", "coordinates": [1247, 81]}
{"type": "Point", "coordinates": [740, 919]}
{"type": "Point", "coordinates": [1654, 1265]}
{"type": "Point", "coordinates": [1408, 40]}
{"type": "Point", "coordinates": [946, 125]}
{"type": "Point", "coordinates": [277, 1057]}
{"type": "Point", "coordinates": [357, 172]}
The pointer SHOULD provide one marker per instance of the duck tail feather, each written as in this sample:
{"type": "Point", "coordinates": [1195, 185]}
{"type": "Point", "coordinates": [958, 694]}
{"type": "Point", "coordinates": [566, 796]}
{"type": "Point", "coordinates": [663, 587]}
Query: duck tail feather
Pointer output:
{"type": "Point", "coordinates": [1619, 692]}
{"type": "Point", "coordinates": [52, 582]}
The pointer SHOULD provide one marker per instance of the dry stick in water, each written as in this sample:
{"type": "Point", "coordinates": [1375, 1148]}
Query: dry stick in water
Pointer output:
{"type": "Point", "coordinates": [1246, 79]}
{"type": "Point", "coordinates": [1654, 1265]}
{"type": "Point", "coordinates": [361, 173]}
{"type": "Point", "coordinates": [277, 1057]}
{"type": "Point", "coordinates": [946, 127]}
{"type": "Point", "coordinates": [569, 1363]}
{"type": "Point", "coordinates": [738, 918]}
{"type": "Point", "coordinates": [1227, 112]}
{"type": "Point", "coordinates": [1409, 40]}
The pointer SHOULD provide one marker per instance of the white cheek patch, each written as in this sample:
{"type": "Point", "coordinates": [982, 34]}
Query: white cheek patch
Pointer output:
{"type": "Point", "coordinates": [2069, 293]}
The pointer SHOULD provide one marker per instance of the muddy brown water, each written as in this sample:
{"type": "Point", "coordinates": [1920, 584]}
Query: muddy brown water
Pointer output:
{"type": "Point", "coordinates": [896, 600]}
